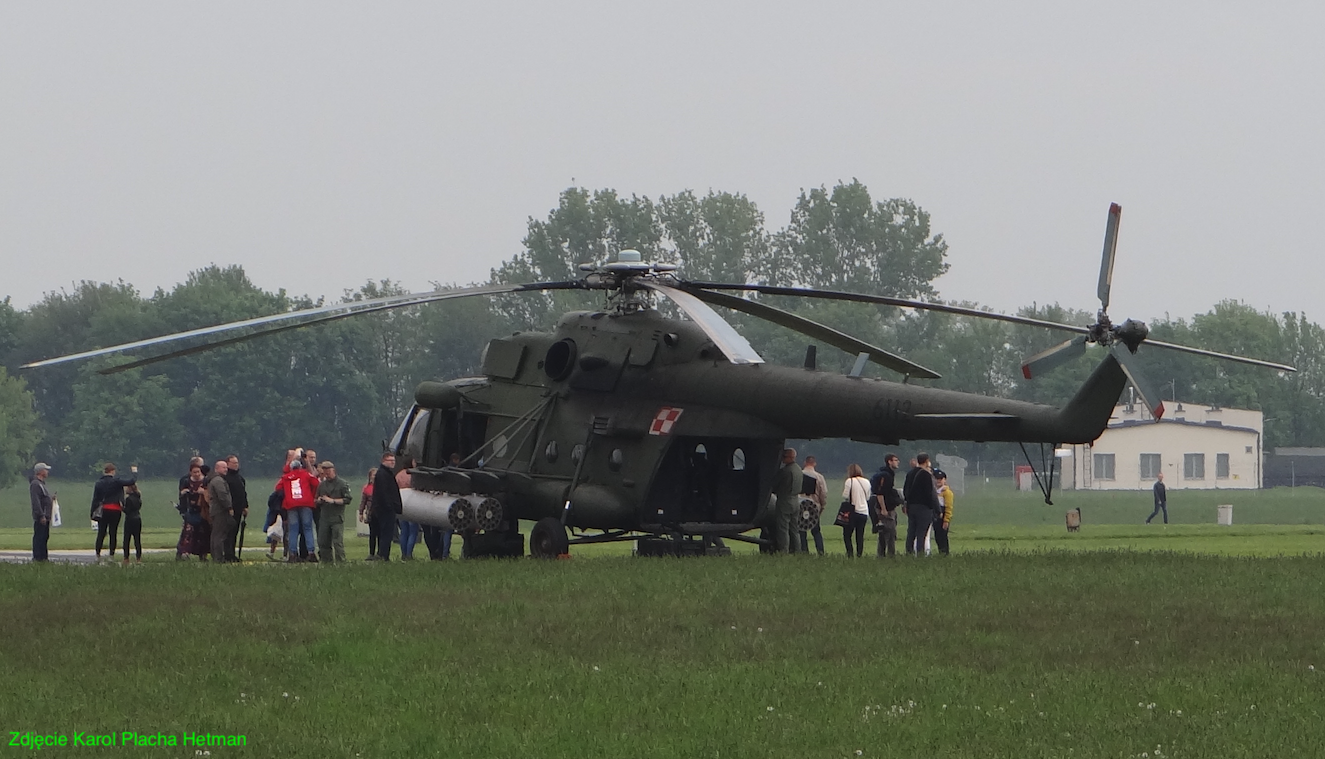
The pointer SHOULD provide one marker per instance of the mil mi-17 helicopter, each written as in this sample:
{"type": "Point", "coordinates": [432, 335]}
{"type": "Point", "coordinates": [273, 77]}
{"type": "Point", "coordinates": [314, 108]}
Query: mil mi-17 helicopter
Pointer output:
{"type": "Point", "coordinates": [630, 424]}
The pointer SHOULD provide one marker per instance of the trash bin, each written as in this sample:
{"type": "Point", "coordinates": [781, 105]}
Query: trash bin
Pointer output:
{"type": "Point", "coordinates": [1225, 513]}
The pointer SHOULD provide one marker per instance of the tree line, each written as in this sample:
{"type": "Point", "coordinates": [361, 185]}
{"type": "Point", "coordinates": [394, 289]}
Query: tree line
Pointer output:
{"type": "Point", "coordinates": [342, 387]}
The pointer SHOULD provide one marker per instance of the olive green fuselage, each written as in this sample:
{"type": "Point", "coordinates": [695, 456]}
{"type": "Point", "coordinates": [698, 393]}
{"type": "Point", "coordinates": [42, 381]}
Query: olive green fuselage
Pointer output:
{"type": "Point", "coordinates": [639, 420]}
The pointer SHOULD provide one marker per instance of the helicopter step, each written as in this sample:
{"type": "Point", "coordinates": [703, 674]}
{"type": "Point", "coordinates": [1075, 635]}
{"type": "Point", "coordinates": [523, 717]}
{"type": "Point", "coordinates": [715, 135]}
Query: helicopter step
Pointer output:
{"type": "Point", "coordinates": [679, 545]}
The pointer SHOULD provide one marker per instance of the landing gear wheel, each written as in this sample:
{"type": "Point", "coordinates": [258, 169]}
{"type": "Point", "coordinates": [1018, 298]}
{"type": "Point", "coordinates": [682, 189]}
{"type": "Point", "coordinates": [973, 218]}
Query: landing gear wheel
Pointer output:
{"type": "Point", "coordinates": [548, 539]}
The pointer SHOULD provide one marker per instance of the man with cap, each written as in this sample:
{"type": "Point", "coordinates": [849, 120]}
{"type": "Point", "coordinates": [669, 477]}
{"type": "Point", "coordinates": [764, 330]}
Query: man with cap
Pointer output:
{"type": "Point", "coordinates": [333, 495]}
{"type": "Point", "coordinates": [42, 511]}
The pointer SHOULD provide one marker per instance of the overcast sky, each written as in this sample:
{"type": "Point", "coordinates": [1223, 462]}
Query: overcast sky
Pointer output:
{"type": "Point", "coordinates": [322, 144]}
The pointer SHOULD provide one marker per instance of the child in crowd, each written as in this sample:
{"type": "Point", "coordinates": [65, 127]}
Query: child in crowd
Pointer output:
{"type": "Point", "coordinates": [133, 521]}
{"type": "Point", "coordinates": [275, 536]}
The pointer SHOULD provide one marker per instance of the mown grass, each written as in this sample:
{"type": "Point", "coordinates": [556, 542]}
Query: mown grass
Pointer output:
{"type": "Point", "coordinates": [1047, 654]}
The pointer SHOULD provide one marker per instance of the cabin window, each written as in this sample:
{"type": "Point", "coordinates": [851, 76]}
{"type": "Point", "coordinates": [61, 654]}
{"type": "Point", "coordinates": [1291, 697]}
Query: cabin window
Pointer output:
{"type": "Point", "coordinates": [416, 439]}
{"type": "Point", "coordinates": [1221, 466]}
{"type": "Point", "coordinates": [1193, 466]}
{"type": "Point", "coordinates": [615, 459]}
{"type": "Point", "coordinates": [738, 460]}
{"type": "Point", "coordinates": [1104, 466]}
{"type": "Point", "coordinates": [1150, 464]}
{"type": "Point", "coordinates": [550, 452]}
{"type": "Point", "coordinates": [577, 453]}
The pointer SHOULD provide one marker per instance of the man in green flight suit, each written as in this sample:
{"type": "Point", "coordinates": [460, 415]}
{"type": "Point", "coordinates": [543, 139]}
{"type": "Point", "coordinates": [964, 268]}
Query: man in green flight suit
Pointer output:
{"type": "Point", "coordinates": [333, 495]}
{"type": "Point", "coordinates": [786, 487]}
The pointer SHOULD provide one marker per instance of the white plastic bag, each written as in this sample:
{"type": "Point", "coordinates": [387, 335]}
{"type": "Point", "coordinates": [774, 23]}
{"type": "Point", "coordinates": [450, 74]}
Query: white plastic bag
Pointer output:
{"type": "Point", "coordinates": [55, 513]}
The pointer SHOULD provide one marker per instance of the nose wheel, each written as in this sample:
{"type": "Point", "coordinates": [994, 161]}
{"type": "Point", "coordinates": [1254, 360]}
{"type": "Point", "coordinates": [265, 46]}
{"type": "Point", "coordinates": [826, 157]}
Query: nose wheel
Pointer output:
{"type": "Point", "coordinates": [548, 539]}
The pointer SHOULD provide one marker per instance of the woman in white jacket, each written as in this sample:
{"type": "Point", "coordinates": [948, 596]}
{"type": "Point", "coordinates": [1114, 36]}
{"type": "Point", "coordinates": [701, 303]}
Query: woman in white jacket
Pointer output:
{"type": "Point", "coordinates": [857, 492]}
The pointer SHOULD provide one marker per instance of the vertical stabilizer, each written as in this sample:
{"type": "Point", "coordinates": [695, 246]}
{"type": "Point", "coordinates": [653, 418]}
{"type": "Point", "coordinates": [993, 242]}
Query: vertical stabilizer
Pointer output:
{"type": "Point", "coordinates": [1087, 414]}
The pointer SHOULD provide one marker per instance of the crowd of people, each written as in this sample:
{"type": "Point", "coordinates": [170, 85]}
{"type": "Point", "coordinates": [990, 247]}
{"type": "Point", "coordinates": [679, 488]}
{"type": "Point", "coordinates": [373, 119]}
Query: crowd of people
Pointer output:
{"type": "Point", "coordinates": [306, 510]}
{"type": "Point", "coordinates": [305, 516]}
{"type": "Point", "coordinates": [924, 499]}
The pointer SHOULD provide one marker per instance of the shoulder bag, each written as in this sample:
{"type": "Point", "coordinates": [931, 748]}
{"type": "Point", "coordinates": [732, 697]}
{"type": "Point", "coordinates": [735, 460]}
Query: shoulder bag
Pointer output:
{"type": "Point", "coordinates": [845, 511]}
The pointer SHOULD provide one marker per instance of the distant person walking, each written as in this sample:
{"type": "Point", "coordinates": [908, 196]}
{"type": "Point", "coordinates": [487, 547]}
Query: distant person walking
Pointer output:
{"type": "Point", "coordinates": [133, 521]}
{"type": "Point", "coordinates": [107, 497]}
{"type": "Point", "coordinates": [42, 511]}
{"type": "Point", "coordinates": [857, 491]}
{"type": "Point", "coordinates": [1161, 499]}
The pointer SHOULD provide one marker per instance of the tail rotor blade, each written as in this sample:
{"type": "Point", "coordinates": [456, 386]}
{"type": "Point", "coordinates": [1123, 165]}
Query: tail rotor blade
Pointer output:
{"type": "Point", "coordinates": [1110, 250]}
{"type": "Point", "coordinates": [1056, 356]}
{"type": "Point", "coordinates": [1149, 395]}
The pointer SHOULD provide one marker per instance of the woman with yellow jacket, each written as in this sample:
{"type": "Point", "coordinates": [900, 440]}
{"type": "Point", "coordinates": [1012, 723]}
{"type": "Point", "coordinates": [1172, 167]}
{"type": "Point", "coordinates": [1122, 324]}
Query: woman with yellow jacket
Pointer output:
{"type": "Point", "coordinates": [942, 521]}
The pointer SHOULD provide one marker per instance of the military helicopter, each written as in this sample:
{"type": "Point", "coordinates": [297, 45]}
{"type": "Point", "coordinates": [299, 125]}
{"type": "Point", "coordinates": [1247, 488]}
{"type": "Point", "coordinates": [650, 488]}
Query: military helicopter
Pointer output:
{"type": "Point", "coordinates": [625, 424]}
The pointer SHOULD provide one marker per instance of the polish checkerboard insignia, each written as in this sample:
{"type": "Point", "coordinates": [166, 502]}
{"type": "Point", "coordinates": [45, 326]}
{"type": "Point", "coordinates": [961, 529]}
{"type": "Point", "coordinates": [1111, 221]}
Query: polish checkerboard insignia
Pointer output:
{"type": "Point", "coordinates": [664, 420]}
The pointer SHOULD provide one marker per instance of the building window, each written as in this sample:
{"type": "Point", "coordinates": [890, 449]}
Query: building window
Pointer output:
{"type": "Point", "coordinates": [1104, 466]}
{"type": "Point", "coordinates": [1193, 466]}
{"type": "Point", "coordinates": [1221, 466]}
{"type": "Point", "coordinates": [1149, 466]}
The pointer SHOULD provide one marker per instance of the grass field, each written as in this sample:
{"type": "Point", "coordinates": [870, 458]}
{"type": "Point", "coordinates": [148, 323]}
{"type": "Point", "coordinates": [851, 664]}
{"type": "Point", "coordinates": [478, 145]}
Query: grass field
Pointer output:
{"type": "Point", "coordinates": [1122, 640]}
{"type": "Point", "coordinates": [1049, 654]}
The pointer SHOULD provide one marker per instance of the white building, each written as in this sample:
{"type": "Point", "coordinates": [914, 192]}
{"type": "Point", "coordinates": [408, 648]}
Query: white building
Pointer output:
{"type": "Point", "coordinates": [1195, 446]}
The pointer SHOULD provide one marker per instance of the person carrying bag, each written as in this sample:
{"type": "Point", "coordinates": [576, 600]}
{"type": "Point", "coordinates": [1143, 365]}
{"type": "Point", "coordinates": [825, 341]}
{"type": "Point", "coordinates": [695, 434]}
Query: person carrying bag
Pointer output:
{"type": "Point", "coordinates": [856, 492]}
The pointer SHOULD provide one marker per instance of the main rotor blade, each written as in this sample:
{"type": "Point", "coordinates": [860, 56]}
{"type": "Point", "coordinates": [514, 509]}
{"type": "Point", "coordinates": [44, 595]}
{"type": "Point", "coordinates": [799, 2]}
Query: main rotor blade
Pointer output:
{"type": "Point", "coordinates": [336, 311]}
{"type": "Point", "coordinates": [735, 347]}
{"type": "Point", "coordinates": [883, 300]}
{"type": "Point", "coordinates": [817, 331]}
{"type": "Point", "coordinates": [1218, 355]}
{"type": "Point", "coordinates": [1056, 356]}
{"type": "Point", "coordinates": [1149, 395]}
{"type": "Point", "coordinates": [1110, 252]}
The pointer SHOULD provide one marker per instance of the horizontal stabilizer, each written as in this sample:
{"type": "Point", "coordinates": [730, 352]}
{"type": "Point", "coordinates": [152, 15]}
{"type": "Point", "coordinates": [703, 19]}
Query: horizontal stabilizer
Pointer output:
{"type": "Point", "coordinates": [985, 417]}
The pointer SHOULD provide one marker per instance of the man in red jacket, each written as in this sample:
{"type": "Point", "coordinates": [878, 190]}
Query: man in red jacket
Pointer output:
{"type": "Point", "coordinates": [299, 488]}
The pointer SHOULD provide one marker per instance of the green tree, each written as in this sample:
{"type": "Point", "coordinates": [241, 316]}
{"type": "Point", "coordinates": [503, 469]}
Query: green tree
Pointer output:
{"type": "Point", "coordinates": [844, 240]}
{"type": "Point", "coordinates": [584, 228]}
{"type": "Point", "coordinates": [717, 238]}
{"type": "Point", "coordinates": [19, 431]}
{"type": "Point", "coordinates": [127, 418]}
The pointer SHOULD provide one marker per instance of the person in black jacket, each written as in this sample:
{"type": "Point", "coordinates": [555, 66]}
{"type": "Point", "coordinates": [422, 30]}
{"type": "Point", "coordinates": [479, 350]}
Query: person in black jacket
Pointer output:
{"type": "Point", "coordinates": [1161, 499]}
{"type": "Point", "coordinates": [239, 501]}
{"type": "Point", "coordinates": [133, 521]}
{"type": "Point", "coordinates": [888, 499]}
{"type": "Point", "coordinates": [108, 494]}
{"type": "Point", "coordinates": [386, 505]}
{"type": "Point", "coordinates": [922, 503]}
